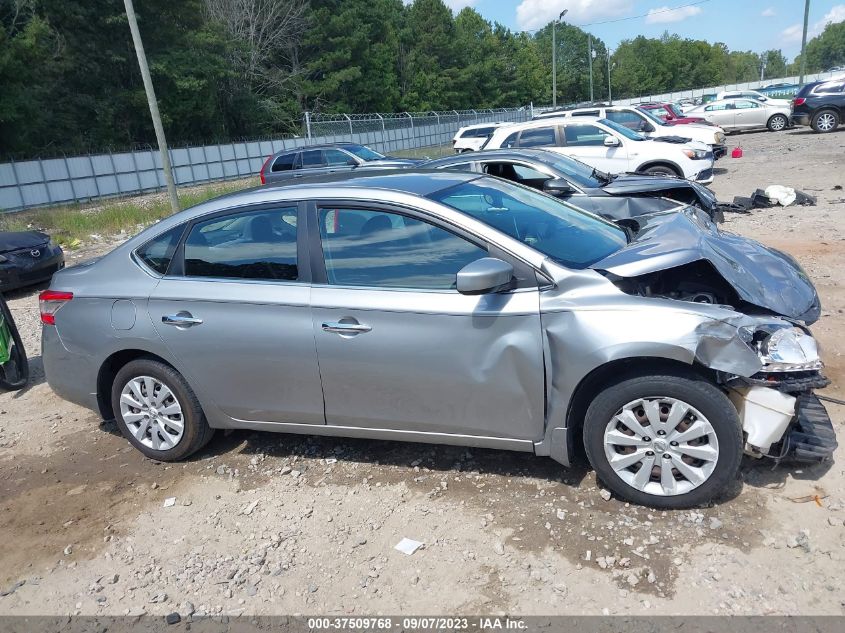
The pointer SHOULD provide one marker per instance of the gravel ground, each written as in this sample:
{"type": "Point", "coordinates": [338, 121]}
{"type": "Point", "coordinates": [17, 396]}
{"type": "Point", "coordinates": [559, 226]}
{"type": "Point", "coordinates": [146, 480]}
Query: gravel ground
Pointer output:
{"type": "Point", "coordinates": [272, 524]}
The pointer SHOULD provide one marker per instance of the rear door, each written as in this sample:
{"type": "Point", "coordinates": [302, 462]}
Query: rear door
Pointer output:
{"type": "Point", "coordinates": [721, 114]}
{"type": "Point", "coordinates": [585, 142]}
{"type": "Point", "coordinates": [234, 309]}
{"type": "Point", "coordinates": [399, 348]}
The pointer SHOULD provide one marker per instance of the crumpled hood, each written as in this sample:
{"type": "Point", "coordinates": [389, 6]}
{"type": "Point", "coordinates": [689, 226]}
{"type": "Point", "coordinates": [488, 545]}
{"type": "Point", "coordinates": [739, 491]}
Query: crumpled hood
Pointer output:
{"type": "Point", "coordinates": [12, 241]}
{"type": "Point", "coordinates": [631, 183]}
{"type": "Point", "coordinates": [761, 276]}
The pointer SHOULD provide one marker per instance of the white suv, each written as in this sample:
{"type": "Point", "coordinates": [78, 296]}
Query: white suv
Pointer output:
{"type": "Point", "coordinates": [472, 137]}
{"type": "Point", "coordinates": [646, 124]}
{"type": "Point", "coordinates": [609, 147]}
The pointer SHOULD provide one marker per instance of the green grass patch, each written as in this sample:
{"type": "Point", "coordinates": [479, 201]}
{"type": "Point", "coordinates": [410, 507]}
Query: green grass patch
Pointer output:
{"type": "Point", "coordinates": [73, 225]}
{"type": "Point", "coordinates": [430, 151]}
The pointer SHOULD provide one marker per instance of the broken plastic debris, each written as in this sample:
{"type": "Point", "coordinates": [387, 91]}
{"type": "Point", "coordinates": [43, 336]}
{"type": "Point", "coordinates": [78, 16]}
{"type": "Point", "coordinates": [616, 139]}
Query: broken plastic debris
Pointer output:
{"type": "Point", "coordinates": [170, 501]}
{"type": "Point", "coordinates": [408, 546]}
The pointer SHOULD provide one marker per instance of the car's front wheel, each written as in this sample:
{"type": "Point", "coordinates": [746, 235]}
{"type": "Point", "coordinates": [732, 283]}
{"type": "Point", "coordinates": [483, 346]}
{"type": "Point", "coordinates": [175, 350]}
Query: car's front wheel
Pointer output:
{"type": "Point", "coordinates": [777, 123]}
{"type": "Point", "coordinates": [825, 121]}
{"type": "Point", "coordinates": [665, 441]}
{"type": "Point", "coordinates": [157, 411]}
{"type": "Point", "coordinates": [661, 170]}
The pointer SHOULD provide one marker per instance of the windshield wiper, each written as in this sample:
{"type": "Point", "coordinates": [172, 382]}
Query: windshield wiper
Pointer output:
{"type": "Point", "coordinates": [602, 176]}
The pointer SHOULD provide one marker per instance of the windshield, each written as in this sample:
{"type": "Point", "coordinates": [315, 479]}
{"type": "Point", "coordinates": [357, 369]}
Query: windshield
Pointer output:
{"type": "Point", "coordinates": [570, 237]}
{"type": "Point", "coordinates": [364, 153]}
{"type": "Point", "coordinates": [582, 174]}
{"type": "Point", "coordinates": [655, 119]}
{"type": "Point", "coordinates": [629, 134]}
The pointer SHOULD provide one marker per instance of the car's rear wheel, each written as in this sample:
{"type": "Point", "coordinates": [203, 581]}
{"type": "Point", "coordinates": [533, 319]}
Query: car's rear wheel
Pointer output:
{"type": "Point", "coordinates": [665, 441]}
{"type": "Point", "coordinates": [157, 411]}
{"type": "Point", "coordinates": [661, 170]}
{"type": "Point", "coordinates": [825, 121]}
{"type": "Point", "coordinates": [777, 123]}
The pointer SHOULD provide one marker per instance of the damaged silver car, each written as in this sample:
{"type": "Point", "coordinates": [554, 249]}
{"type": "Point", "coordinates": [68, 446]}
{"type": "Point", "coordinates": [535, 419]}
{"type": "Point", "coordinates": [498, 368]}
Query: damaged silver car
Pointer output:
{"type": "Point", "coordinates": [452, 308]}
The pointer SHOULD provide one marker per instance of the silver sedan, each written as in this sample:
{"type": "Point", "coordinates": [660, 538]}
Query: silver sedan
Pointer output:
{"type": "Point", "coordinates": [451, 308]}
{"type": "Point", "coordinates": [735, 115]}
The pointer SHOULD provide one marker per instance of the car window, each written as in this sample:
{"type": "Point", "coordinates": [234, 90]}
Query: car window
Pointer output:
{"type": "Point", "coordinates": [659, 111]}
{"type": "Point", "coordinates": [479, 132]}
{"type": "Point", "coordinates": [312, 158]}
{"type": "Point", "coordinates": [742, 104]}
{"type": "Point", "coordinates": [584, 135]}
{"type": "Point", "coordinates": [510, 141]}
{"type": "Point", "coordinates": [621, 129]}
{"type": "Point", "coordinates": [335, 157]}
{"type": "Point", "coordinates": [515, 172]}
{"type": "Point", "coordinates": [363, 152]}
{"type": "Point", "coordinates": [538, 137]}
{"type": "Point", "coordinates": [389, 250]}
{"type": "Point", "coordinates": [459, 166]}
{"type": "Point", "coordinates": [284, 162]}
{"type": "Point", "coordinates": [158, 252]}
{"type": "Point", "coordinates": [586, 113]}
{"type": "Point", "coordinates": [253, 245]}
{"type": "Point", "coordinates": [569, 236]}
{"type": "Point", "coordinates": [630, 120]}
{"type": "Point", "coordinates": [718, 106]}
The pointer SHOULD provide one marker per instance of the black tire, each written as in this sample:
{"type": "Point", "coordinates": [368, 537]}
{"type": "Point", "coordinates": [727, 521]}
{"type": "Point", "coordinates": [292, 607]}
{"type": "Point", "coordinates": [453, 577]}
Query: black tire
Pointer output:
{"type": "Point", "coordinates": [818, 122]}
{"type": "Point", "coordinates": [661, 170]}
{"type": "Point", "coordinates": [14, 373]}
{"type": "Point", "coordinates": [197, 433]}
{"type": "Point", "coordinates": [692, 389]}
{"type": "Point", "coordinates": [777, 123]}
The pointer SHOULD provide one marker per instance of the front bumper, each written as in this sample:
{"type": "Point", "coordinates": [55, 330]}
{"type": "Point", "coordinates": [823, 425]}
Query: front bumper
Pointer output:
{"type": "Point", "coordinates": [705, 176]}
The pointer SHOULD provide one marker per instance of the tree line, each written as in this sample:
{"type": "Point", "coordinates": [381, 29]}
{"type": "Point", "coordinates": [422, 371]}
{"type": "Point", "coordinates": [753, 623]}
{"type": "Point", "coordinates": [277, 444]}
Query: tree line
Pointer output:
{"type": "Point", "coordinates": [226, 69]}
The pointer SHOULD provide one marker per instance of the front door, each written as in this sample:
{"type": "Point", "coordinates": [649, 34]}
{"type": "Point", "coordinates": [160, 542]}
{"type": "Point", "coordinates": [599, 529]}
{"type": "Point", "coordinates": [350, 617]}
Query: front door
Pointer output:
{"type": "Point", "coordinates": [749, 114]}
{"type": "Point", "coordinates": [399, 348]}
{"type": "Point", "coordinates": [586, 143]}
{"type": "Point", "coordinates": [235, 313]}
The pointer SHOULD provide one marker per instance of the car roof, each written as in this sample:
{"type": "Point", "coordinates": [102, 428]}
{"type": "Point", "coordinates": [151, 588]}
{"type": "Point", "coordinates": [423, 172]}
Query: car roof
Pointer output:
{"type": "Point", "coordinates": [419, 182]}
{"type": "Point", "coordinates": [541, 155]}
{"type": "Point", "coordinates": [338, 145]}
{"type": "Point", "coordinates": [490, 124]}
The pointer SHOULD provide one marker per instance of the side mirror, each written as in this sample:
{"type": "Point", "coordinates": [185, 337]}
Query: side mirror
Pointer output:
{"type": "Point", "coordinates": [484, 275]}
{"type": "Point", "coordinates": [558, 187]}
{"type": "Point", "coordinates": [352, 162]}
{"type": "Point", "coordinates": [611, 141]}
{"type": "Point", "coordinates": [647, 127]}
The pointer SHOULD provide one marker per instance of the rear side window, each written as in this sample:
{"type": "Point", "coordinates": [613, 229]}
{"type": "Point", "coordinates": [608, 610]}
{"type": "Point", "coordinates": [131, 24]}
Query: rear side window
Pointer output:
{"type": "Point", "coordinates": [630, 120]}
{"type": "Point", "coordinates": [586, 113]}
{"type": "Point", "coordinates": [254, 245]}
{"type": "Point", "coordinates": [158, 252]}
{"type": "Point", "coordinates": [312, 158]}
{"type": "Point", "coordinates": [284, 162]}
{"type": "Point", "coordinates": [510, 141]}
{"type": "Point", "coordinates": [538, 137]}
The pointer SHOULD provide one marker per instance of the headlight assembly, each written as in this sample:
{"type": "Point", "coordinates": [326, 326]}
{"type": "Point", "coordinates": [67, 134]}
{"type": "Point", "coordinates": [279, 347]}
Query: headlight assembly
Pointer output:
{"type": "Point", "coordinates": [696, 154]}
{"type": "Point", "coordinates": [787, 349]}
{"type": "Point", "coordinates": [720, 138]}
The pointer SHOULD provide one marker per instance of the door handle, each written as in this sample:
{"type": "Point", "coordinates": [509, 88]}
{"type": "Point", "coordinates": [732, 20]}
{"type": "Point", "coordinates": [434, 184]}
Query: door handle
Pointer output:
{"type": "Point", "coordinates": [346, 328]}
{"type": "Point", "coordinates": [181, 319]}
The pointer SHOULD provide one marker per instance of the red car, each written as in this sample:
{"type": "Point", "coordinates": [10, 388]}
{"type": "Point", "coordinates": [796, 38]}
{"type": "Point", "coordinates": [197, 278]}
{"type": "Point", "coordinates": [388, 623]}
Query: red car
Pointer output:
{"type": "Point", "coordinates": [671, 113]}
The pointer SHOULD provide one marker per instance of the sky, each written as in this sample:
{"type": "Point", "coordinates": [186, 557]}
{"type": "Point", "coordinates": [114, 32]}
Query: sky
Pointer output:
{"type": "Point", "coordinates": [755, 25]}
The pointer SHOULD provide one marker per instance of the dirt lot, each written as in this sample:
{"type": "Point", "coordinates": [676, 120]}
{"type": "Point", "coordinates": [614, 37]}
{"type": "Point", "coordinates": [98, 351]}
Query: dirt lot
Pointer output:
{"type": "Point", "coordinates": [266, 524]}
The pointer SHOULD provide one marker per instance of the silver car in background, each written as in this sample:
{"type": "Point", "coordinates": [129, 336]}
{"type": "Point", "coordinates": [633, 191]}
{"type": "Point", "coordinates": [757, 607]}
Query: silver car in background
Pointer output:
{"type": "Point", "coordinates": [451, 308]}
{"type": "Point", "coordinates": [735, 115]}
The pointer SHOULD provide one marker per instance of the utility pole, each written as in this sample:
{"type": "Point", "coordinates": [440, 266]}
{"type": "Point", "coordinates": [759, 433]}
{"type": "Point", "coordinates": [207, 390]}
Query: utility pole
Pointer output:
{"type": "Point", "coordinates": [762, 68]}
{"type": "Point", "coordinates": [554, 57]}
{"type": "Point", "coordinates": [151, 100]}
{"type": "Point", "coordinates": [804, 42]}
{"type": "Point", "coordinates": [590, 60]}
{"type": "Point", "coordinates": [609, 89]}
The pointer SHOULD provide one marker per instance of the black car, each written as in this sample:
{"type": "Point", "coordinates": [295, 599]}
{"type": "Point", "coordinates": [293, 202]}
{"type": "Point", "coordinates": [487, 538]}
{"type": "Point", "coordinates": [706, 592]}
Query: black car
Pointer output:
{"type": "Point", "coordinates": [820, 104]}
{"type": "Point", "coordinates": [309, 160]}
{"type": "Point", "coordinates": [26, 258]}
{"type": "Point", "coordinates": [615, 197]}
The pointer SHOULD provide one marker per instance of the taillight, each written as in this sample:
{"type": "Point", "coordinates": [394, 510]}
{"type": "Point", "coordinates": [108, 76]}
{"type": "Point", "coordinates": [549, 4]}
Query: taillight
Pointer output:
{"type": "Point", "coordinates": [799, 101]}
{"type": "Point", "coordinates": [263, 167]}
{"type": "Point", "coordinates": [49, 303]}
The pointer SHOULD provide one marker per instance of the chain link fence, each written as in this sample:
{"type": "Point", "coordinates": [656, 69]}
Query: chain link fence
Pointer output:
{"type": "Point", "coordinates": [73, 179]}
